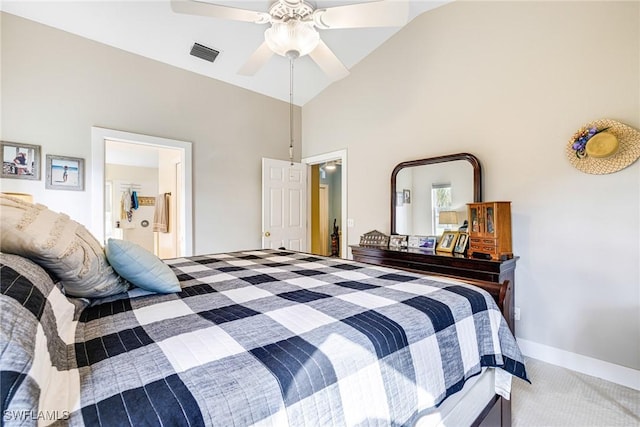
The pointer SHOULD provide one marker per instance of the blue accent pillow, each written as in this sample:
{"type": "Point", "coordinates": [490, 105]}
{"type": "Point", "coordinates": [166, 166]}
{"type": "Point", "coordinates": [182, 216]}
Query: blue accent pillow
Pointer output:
{"type": "Point", "coordinates": [140, 267]}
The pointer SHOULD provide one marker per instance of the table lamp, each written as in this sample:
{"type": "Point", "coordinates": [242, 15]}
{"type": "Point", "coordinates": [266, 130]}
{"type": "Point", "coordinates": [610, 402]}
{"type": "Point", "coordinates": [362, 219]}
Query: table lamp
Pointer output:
{"type": "Point", "coordinates": [448, 218]}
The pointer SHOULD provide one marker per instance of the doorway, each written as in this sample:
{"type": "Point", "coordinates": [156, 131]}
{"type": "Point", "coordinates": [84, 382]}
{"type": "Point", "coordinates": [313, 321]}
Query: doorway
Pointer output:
{"type": "Point", "coordinates": [323, 239]}
{"type": "Point", "coordinates": [327, 203]}
{"type": "Point", "coordinates": [174, 157]}
{"type": "Point", "coordinates": [142, 196]}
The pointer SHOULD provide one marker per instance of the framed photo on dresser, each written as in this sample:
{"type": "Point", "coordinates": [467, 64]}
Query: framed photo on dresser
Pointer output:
{"type": "Point", "coordinates": [447, 242]}
{"type": "Point", "coordinates": [461, 243]}
{"type": "Point", "coordinates": [397, 241]}
{"type": "Point", "coordinates": [429, 242]}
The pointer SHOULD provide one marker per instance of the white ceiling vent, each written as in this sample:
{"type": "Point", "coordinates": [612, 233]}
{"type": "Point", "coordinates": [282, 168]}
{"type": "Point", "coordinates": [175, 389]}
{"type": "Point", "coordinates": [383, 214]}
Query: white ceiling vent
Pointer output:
{"type": "Point", "coordinates": [204, 52]}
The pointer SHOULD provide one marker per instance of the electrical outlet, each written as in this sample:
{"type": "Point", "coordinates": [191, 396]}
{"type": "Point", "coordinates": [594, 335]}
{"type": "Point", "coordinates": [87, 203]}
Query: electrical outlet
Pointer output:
{"type": "Point", "coordinates": [350, 222]}
{"type": "Point", "coordinates": [516, 313]}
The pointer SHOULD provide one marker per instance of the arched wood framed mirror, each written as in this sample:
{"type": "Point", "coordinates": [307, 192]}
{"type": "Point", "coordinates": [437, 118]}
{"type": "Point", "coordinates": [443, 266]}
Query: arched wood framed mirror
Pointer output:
{"type": "Point", "coordinates": [421, 189]}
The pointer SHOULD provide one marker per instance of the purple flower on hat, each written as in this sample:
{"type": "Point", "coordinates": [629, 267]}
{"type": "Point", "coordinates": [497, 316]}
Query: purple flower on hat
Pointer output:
{"type": "Point", "coordinates": [580, 139]}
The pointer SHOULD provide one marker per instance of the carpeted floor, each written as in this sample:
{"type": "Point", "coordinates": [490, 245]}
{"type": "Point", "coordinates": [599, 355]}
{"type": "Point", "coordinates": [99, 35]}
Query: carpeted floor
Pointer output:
{"type": "Point", "coordinates": [564, 398]}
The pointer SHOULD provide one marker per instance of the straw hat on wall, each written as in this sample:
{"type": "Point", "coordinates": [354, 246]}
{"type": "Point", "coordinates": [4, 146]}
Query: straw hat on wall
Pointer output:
{"type": "Point", "coordinates": [604, 146]}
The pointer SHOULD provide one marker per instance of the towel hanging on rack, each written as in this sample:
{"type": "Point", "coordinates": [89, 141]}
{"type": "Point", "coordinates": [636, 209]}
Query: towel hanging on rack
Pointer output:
{"type": "Point", "coordinates": [161, 214]}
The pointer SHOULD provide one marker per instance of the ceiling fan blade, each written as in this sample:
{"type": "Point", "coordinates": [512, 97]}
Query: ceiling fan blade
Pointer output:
{"type": "Point", "coordinates": [256, 60]}
{"type": "Point", "coordinates": [328, 62]}
{"type": "Point", "coordinates": [194, 7]}
{"type": "Point", "coordinates": [361, 15]}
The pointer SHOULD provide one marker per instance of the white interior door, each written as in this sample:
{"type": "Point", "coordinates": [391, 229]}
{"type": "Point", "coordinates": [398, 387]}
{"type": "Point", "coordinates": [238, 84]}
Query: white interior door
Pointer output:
{"type": "Point", "coordinates": [284, 205]}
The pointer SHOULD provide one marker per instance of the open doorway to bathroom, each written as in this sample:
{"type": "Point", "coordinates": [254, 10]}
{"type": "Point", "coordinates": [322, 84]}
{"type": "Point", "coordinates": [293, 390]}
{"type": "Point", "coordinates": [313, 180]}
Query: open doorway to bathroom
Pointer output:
{"type": "Point", "coordinates": [158, 170]}
{"type": "Point", "coordinates": [142, 196]}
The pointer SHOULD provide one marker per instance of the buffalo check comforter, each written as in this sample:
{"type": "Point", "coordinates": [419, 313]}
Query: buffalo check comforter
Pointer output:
{"type": "Point", "coordinates": [261, 337]}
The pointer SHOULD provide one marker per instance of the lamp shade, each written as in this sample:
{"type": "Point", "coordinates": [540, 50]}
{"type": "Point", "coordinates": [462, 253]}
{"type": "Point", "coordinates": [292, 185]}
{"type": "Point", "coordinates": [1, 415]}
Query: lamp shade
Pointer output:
{"type": "Point", "coordinates": [292, 38]}
{"type": "Point", "coordinates": [448, 217]}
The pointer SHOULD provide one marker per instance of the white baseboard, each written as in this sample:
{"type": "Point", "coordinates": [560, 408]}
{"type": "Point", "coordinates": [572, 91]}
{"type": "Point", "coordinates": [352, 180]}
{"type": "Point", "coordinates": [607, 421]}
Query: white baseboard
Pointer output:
{"type": "Point", "coordinates": [622, 375]}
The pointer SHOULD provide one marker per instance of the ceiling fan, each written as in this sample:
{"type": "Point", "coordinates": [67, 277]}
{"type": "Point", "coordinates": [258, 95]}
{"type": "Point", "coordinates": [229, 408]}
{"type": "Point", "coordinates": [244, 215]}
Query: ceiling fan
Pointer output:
{"type": "Point", "coordinates": [293, 27]}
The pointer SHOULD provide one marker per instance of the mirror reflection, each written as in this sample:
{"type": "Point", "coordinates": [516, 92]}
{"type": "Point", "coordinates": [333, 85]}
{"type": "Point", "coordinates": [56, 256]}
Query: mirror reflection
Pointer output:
{"type": "Point", "coordinates": [431, 195]}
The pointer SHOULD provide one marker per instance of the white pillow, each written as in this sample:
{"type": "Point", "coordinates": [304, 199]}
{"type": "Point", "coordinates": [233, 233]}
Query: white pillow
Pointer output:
{"type": "Point", "coordinates": [140, 267]}
{"type": "Point", "coordinates": [59, 244]}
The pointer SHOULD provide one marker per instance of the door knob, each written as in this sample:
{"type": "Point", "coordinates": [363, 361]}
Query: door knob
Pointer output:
{"type": "Point", "coordinates": [267, 234]}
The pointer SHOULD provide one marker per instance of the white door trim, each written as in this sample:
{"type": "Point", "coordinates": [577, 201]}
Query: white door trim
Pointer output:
{"type": "Point", "coordinates": [322, 158]}
{"type": "Point", "coordinates": [98, 137]}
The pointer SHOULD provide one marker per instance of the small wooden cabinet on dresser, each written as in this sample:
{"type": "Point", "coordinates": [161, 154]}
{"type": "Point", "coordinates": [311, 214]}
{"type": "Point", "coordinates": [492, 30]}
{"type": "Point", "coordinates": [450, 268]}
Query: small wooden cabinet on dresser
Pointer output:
{"type": "Point", "coordinates": [490, 230]}
{"type": "Point", "coordinates": [495, 276]}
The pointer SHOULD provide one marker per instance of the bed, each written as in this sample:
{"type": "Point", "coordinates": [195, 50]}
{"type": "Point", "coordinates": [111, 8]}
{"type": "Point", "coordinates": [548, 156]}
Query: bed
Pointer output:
{"type": "Point", "coordinates": [257, 337]}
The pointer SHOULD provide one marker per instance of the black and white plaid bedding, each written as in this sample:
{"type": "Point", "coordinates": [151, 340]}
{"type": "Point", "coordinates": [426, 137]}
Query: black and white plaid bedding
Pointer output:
{"type": "Point", "coordinates": [255, 338]}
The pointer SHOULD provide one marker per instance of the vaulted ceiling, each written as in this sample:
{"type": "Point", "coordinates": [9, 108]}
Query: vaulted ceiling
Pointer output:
{"type": "Point", "coordinates": [152, 29]}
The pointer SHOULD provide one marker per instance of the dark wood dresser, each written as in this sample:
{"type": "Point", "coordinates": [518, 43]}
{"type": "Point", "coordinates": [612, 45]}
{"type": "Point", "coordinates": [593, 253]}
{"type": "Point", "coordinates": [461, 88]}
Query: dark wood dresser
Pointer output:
{"type": "Point", "coordinates": [490, 275]}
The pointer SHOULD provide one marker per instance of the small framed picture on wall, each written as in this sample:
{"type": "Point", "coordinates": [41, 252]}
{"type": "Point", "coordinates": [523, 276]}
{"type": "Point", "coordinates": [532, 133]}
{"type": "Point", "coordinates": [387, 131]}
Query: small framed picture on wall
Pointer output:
{"type": "Point", "coordinates": [64, 173]}
{"type": "Point", "coordinates": [20, 161]}
{"type": "Point", "coordinates": [406, 196]}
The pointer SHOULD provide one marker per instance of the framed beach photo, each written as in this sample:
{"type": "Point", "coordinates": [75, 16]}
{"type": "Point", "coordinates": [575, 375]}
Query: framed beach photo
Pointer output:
{"type": "Point", "coordinates": [428, 242]}
{"type": "Point", "coordinates": [462, 243]}
{"type": "Point", "coordinates": [448, 241]}
{"type": "Point", "coordinates": [20, 161]}
{"type": "Point", "coordinates": [64, 173]}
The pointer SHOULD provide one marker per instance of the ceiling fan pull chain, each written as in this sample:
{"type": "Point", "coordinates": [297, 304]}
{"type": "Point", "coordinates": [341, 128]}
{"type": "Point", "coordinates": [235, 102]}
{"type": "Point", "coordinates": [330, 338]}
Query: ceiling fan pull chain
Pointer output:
{"type": "Point", "coordinates": [291, 110]}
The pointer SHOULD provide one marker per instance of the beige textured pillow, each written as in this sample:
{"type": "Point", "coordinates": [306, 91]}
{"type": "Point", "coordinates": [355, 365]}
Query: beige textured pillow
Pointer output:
{"type": "Point", "coordinates": [60, 245]}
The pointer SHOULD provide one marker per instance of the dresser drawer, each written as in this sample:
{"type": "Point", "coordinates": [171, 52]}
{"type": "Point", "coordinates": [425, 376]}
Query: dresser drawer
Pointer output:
{"type": "Point", "coordinates": [483, 241]}
{"type": "Point", "coordinates": [485, 246]}
{"type": "Point", "coordinates": [484, 249]}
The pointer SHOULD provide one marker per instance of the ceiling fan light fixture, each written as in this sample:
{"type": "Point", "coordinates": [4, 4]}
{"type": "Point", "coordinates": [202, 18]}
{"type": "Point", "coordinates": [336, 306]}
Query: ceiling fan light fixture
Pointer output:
{"type": "Point", "coordinates": [292, 38]}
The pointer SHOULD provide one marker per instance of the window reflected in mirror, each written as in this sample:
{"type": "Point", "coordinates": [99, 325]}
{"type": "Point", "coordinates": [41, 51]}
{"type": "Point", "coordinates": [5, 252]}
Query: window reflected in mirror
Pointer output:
{"type": "Point", "coordinates": [435, 189]}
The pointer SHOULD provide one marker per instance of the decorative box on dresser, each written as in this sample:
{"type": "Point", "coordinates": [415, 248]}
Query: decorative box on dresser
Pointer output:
{"type": "Point", "coordinates": [490, 229]}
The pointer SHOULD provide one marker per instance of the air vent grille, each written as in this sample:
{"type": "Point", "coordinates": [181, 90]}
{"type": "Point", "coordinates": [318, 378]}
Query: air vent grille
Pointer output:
{"type": "Point", "coordinates": [204, 52]}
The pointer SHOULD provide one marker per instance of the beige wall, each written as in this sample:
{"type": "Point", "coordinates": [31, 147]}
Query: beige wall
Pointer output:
{"type": "Point", "coordinates": [56, 85]}
{"type": "Point", "coordinates": [511, 82]}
